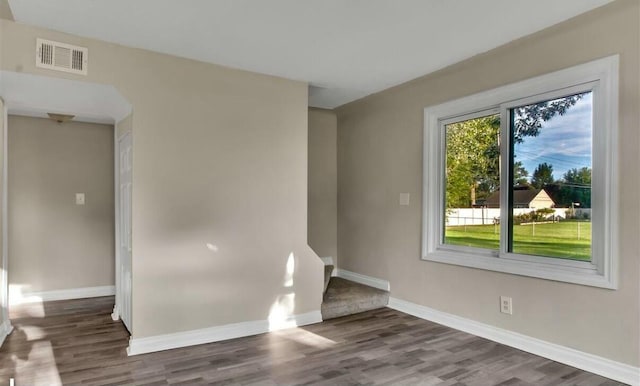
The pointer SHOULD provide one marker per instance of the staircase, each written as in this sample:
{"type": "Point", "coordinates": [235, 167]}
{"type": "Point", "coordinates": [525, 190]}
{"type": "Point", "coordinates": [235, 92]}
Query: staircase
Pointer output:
{"type": "Point", "coordinates": [343, 297]}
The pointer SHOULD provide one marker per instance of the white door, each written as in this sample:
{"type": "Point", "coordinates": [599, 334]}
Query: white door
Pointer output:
{"type": "Point", "coordinates": [124, 200]}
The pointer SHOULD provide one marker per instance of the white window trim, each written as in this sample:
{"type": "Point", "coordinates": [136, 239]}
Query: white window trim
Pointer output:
{"type": "Point", "coordinates": [602, 77]}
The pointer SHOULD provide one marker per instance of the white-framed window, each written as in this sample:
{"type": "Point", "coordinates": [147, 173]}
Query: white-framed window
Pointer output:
{"type": "Point", "coordinates": [523, 178]}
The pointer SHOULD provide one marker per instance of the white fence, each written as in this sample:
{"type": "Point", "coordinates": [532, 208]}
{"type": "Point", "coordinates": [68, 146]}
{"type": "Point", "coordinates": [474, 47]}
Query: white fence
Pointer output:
{"type": "Point", "coordinates": [486, 216]}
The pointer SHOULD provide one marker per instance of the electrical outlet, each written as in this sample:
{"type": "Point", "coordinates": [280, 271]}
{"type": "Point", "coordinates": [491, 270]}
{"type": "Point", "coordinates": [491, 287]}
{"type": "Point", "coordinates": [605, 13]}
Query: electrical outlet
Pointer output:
{"type": "Point", "coordinates": [506, 305]}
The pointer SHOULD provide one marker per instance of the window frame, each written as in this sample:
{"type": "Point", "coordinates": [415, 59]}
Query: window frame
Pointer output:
{"type": "Point", "coordinates": [599, 76]}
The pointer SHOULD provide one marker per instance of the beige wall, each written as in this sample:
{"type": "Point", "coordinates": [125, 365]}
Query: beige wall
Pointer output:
{"type": "Point", "coordinates": [55, 244]}
{"type": "Point", "coordinates": [380, 155]}
{"type": "Point", "coordinates": [5, 11]}
{"type": "Point", "coordinates": [323, 194]}
{"type": "Point", "coordinates": [220, 158]}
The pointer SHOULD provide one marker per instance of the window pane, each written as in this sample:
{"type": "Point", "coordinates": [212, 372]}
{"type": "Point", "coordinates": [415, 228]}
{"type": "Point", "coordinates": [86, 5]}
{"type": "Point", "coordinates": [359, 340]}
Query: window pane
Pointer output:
{"type": "Point", "coordinates": [472, 202]}
{"type": "Point", "coordinates": [551, 171]}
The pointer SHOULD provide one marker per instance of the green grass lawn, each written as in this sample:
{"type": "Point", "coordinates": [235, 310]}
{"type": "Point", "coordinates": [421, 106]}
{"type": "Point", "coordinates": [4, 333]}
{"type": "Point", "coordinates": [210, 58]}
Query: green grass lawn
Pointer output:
{"type": "Point", "coordinates": [554, 240]}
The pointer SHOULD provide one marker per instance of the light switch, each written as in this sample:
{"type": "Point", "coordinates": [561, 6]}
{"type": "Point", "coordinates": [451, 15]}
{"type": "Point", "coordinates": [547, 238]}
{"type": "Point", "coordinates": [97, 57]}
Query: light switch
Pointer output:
{"type": "Point", "coordinates": [404, 198]}
{"type": "Point", "coordinates": [79, 198]}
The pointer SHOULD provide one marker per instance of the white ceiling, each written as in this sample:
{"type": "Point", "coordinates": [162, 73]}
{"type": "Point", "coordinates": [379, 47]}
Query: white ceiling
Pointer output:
{"type": "Point", "coordinates": [345, 49]}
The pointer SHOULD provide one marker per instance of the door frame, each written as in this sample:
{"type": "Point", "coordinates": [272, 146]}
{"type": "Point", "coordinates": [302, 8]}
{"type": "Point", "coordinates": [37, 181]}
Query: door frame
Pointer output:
{"type": "Point", "coordinates": [115, 315]}
{"type": "Point", "coordinates": [5, 323]}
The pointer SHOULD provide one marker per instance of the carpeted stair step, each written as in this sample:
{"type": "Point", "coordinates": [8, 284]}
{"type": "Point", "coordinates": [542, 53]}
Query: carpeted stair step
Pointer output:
{"type": "Point", "coordinates": [344, 297]}
{"type": "Point", "coordinates": [328, 269]}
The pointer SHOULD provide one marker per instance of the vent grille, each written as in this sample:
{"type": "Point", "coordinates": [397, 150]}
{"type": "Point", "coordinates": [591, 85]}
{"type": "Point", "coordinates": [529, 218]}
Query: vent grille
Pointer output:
{"type": "Point", "coordinates": [47, 54]}
{"type": "Point", "coordinates": [61, 57]}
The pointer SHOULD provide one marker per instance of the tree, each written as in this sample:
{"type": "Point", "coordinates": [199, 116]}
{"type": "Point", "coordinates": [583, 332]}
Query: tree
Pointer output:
{"type": "Point", "coordinates": [543, 175]}
{"type": "Point", "coordinates": [574, 187]}
{"type": "Point", "coordinates": [577, 176]}
{"type": "Point", "coordinates": [577, 186]}
{"type": "Point", "coordinates": [528, 119]}
{"type": "Point", "coordinates": [472, 156]}
{"type": "Point", "coordinates": [520, 174]}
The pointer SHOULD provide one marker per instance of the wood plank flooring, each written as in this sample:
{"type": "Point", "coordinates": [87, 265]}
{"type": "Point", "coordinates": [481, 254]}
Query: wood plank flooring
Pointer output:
{"type": "Point", "coordinates": [75, 342]}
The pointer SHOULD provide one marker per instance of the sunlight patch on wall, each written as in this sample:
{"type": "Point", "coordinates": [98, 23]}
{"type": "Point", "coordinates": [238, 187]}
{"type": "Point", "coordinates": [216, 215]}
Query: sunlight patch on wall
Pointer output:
{"type": "Point", "coordinates": [291, 267]}
{"type": "Point", "coordinates": [281, 313]}
{"type": "Point", "coordinates": [18, 296]}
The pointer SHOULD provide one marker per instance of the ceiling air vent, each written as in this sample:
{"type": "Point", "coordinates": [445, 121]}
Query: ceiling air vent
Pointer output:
{"type": "Point", "coordinates": [61, 57]}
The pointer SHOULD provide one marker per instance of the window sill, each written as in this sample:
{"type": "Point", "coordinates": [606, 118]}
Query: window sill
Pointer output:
{"type": "Point", "coordinates": [583, 274]}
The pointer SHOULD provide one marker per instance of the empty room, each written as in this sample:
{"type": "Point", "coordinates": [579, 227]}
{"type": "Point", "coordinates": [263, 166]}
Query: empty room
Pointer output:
{"type": "Point", "coordinates": [289, 192]}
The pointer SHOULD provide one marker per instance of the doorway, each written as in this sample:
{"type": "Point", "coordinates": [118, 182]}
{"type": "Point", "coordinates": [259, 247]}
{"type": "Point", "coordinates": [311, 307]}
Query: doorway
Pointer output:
{"type": "Point", "coordinates": [35, 95]}
{"type": "Point", "coordinates": [61, 211]}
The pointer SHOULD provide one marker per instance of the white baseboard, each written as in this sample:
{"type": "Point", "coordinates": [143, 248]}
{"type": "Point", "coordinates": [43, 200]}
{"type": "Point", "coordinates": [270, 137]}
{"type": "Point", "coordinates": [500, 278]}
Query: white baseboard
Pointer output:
{"type": "Point", "coordinates": [214, 334]}
{"type": "Point", "coordinates": [5, 330]}
{"type": "Point", "coordinates": [366, 280]}
{"type": "Point", "coordinates": [115, 314]}
{"type": "Point", "coordinates": [65, 294]}
{"type": "Point", "coordinates": [592, 363]}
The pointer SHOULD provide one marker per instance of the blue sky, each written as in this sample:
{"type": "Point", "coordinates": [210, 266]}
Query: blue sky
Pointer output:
{"type": "Point", "coordinates": [564, 141]}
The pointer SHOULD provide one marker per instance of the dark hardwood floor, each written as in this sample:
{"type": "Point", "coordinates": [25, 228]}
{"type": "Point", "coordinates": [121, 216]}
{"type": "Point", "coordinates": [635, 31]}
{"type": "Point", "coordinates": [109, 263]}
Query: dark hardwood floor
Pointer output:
{"type": "Point", "coordinates": [76, 342]}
